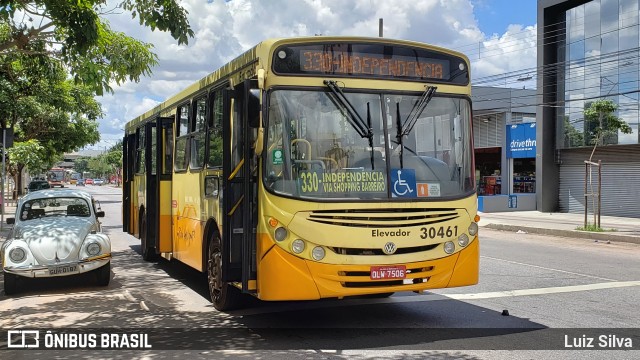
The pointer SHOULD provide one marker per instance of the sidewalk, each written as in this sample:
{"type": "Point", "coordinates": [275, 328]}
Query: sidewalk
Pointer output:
{"type": "Point", "coordinates": [563, 224]}
{"type": "Point", "coordinates": [9, 211]}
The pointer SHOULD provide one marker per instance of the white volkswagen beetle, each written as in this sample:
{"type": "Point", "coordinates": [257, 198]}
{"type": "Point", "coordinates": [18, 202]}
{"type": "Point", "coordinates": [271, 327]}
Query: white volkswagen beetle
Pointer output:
{"type": "Point", "coordinates": [55, 233]}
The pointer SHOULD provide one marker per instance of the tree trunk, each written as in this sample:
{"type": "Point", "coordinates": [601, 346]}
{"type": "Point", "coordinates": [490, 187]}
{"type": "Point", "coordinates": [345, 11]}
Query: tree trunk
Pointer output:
{"type": "Point", "coordinates": [18, 181]}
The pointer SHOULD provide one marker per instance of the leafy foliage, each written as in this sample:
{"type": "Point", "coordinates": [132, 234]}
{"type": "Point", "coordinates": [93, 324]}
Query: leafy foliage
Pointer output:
{"type": "Point", "coordinates": [601, 123]}
{"type": "Point", "coordinates": [30, 154]}
{"type": "Point", "coordinates": [74, 33]}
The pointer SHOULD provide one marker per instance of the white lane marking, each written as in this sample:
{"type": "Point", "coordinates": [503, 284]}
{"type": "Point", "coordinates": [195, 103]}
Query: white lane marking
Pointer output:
{"type": "Point", "coordinates": [435, 297]}
{"type": "Point", "coordinates": [543, 291]}
{"type": "Point", "coordinates": [548, 268]}
{"type": "Point", "coordinates": [143, 306]}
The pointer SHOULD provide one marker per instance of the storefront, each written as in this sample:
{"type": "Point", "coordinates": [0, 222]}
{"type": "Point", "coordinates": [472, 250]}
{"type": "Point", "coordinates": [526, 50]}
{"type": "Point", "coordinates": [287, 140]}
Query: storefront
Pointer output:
{"type": "Point", "coordinates": [505, 149]}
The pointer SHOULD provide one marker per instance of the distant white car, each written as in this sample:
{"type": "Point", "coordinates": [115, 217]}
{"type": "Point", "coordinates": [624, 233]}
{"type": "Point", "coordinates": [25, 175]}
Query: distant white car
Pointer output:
{"type": "Point", "coordinates": [55, 233]}
{"type": "Point", "coordinates": [98, 181]}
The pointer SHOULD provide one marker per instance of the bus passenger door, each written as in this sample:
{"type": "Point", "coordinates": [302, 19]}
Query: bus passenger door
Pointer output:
{"type": "Point", "coordinates": [162, 202]}
{"type": "Point", "coordinates": [149, 224]}
{"type": "Point", "coordinates": [128, 159]}
{"type": "Point", "coordinates": [239, 228]}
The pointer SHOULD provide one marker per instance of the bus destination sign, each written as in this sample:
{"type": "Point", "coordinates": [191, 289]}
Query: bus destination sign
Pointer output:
{"type": "Point", "coordinates": [370, 60]}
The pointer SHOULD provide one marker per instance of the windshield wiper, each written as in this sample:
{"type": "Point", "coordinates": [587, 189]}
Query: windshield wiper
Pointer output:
{"type": "Point", "coordinates": [363, 129]}
{"type": "Point", "coordinates": [416, 111]}
{"type": "Point", "coordinates": [406, 128]}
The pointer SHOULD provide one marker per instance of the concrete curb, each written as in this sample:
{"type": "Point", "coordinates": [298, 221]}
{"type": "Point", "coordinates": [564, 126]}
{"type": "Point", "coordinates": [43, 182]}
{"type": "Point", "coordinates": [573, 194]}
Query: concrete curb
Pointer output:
{"type": "Point", "coordinates": [600, 236]}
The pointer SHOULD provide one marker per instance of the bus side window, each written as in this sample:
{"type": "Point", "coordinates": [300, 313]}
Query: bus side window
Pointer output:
{"type": "Point", "coordinates": [198, 136]}
{"type": "Point", "coordinates": [181, 156]}
{"type": "Point", "coordinates": [140, 142]}
{"type": "Point", "coordinates": [214, 132]}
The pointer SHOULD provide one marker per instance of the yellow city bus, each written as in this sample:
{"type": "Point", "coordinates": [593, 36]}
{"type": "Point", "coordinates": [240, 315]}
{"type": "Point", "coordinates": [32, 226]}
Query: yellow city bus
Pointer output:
{"type": "Point", "coordinates": [309, 168]}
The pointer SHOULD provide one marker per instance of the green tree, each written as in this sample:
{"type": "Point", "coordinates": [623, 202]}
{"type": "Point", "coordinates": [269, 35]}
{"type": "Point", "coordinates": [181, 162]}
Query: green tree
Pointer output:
{"type": "Point", "coordinates": [39, 102]}
{"type": "Point", "coordinates": [601, 123]}
{"type": "Point", "coordinates": [81, 164]}
{"type": "Point", "coordinates": [99, 167]}
{"type": "Point", "coordinates": [601, 127]}
{"type": "Point", "coordinates": [75, 33]}
{"type": "Point", "coordinates": [28, 155]}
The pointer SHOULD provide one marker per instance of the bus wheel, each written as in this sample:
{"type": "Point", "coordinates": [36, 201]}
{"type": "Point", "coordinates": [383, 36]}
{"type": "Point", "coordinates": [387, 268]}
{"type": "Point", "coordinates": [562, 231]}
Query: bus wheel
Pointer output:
{"type": "Point", "coordinates": [148, 252]}
{"type": "Point", "coordinates": [223, 296]}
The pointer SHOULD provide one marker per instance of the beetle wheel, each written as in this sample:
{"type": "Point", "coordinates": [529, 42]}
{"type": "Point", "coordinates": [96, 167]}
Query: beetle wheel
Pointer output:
{"type": "Point", "coordinates": [103, 274]}
{"type": "Point", "coordinates": [10, 283]}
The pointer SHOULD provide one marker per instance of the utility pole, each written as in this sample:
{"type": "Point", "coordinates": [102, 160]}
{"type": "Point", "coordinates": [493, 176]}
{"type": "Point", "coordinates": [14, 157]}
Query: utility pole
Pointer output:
{"type": "Point", "coordinates": [2, 181]}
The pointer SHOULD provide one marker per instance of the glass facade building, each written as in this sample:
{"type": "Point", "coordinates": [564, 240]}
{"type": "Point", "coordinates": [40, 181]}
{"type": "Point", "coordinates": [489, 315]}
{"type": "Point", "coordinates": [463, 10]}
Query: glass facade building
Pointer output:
{"type": "Point", "coordinates": [587, 51]}
{"type": "Point", "coordinates": [601, 61]}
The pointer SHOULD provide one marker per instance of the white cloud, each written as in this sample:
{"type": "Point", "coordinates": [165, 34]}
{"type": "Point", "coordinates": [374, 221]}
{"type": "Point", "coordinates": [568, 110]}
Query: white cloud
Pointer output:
{"type": "Point", "coordinates": [225, 29]}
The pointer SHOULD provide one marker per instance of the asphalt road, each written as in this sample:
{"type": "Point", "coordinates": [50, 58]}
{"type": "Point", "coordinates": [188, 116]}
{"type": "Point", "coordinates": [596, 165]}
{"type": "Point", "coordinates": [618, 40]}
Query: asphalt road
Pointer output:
{"type": "Point", "coordinates": [556, 291]}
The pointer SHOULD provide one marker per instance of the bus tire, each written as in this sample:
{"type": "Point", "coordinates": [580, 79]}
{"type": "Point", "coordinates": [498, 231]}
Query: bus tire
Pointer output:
{"type": "Point", "coordinates": [10, 283]}
{"type": "Point", "coordinates": [223, 295]}
{"type": "Point", "coordinates": [148, 252]}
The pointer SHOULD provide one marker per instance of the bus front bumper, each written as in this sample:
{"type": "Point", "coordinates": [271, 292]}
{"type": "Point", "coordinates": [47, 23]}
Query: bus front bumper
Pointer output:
{"type": "Point", "coordinates": [283, 276]}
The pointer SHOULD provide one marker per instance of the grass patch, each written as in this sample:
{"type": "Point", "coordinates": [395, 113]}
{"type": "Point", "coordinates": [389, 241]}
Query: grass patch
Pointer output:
{"type": "Point", "coordinates": [594, 228]}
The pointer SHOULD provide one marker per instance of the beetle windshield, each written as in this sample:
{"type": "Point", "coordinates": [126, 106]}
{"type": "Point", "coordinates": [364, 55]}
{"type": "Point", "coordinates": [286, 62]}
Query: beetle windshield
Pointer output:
{"type": "Point", "coordinates": [55, 206]}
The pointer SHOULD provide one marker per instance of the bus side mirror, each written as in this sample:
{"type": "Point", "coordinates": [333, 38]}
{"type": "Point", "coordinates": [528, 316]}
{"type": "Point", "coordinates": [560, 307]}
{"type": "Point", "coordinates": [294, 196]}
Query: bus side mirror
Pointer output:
{"type": "Point", "coordinates": [253, 99]}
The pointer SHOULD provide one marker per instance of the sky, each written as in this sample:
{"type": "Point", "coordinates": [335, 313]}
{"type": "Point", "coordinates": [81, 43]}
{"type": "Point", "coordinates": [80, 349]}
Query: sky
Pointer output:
{"type": "Point", "coordinates": [498, 36]}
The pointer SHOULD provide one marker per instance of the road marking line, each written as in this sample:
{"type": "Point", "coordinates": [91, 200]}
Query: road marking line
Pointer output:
{"type": "Point", "coordinates": [437, 297]}
{"type": "Point", "coordinates": [143, 306]}
{"type": "Point", "coordinates": [543, 291]}
{"type": "Point", "coordinates": [547, 268]}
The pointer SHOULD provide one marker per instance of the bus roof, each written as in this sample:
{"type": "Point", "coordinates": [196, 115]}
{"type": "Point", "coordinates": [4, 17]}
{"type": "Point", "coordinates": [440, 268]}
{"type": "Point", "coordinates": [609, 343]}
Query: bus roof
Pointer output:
{"type": "Point", "coordinates": [245, 66]}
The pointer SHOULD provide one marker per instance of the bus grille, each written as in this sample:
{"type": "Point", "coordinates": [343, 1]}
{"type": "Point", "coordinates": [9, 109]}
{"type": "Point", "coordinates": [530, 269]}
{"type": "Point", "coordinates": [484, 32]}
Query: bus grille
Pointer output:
{"type": "Point", "coordinates": [365, 252]}
{"type": "Point", "coordinates": [381, 218]}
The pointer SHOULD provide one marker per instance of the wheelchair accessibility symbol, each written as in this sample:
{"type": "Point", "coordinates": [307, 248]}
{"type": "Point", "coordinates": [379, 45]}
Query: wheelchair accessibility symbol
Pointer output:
{"type": "Point", "coordinates": [404, 183]}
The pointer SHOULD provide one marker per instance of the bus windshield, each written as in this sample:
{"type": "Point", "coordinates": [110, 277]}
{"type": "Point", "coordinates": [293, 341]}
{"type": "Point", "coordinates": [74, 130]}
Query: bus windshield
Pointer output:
{"type": "Point", "coordinates": [317, 147]}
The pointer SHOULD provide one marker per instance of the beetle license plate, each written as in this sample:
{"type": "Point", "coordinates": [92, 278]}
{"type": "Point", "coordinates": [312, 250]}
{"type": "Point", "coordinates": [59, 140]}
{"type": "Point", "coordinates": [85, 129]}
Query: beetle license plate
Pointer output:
{"type": "Point", "coordinates": [388, 272]}
{"type": "Point", "coordinates": [61, 270]}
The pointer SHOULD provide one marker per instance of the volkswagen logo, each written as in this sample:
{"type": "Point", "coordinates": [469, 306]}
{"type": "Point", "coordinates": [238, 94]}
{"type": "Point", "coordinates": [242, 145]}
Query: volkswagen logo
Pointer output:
{"type": "Point", "coordinates": [389, 248]}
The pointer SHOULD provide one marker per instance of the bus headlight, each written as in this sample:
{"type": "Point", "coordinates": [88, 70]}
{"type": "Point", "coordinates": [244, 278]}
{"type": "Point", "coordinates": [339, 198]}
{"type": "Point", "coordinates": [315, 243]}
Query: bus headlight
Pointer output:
{"type": "Point", "coordinates": [473, 229]}
{"type": "Point", "coordinates": [17, 255]}
{"type": "Point", "coordinates": [297, 246]}
{"type": "Point", "coordinates": [281, 233]}
{"type": "Point", "coordinates": [449, 247]}
{"type": "Point", "coordinates": [317, 253]}
{"type": "Point", "coordinates": [463, 240]}
{"type": "Point", "coordinates": [93, 249]}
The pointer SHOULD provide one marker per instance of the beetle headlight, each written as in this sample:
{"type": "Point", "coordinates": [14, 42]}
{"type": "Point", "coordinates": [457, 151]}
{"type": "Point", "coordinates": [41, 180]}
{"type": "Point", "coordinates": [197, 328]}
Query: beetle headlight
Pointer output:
{"type": "Point", "coordinates": [17, 255]}
{"type": "Point", "coordinates": [93, 249]}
